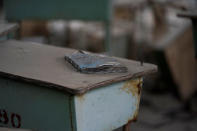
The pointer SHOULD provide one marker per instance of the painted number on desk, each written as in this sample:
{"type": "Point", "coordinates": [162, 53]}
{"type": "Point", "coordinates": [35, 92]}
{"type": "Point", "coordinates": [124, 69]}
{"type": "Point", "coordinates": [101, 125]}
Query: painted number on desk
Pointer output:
{"type": "Point", "coordinates": [13, 118]}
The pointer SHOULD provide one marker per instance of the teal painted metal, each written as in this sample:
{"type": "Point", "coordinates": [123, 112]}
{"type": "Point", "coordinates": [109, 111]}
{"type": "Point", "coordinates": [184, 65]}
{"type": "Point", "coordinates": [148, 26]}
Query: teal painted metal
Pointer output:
{"type": "Point", "coordinates": [98, 10]}
{"type": "Point", "coordinates": [88, 10]}
{"type": "Point", "coordinates": [44, 109]}
{"type": "Point", "coordinates": [38, 108]}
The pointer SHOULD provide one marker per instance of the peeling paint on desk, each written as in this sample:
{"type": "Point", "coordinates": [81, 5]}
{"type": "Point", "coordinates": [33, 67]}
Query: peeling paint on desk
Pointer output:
{"type": "Point", "coordinates": [133, 86]}
{"type": "Point", "coordinates": [81, 97]}
{"type": "Point", "coordinates": [109, 107]}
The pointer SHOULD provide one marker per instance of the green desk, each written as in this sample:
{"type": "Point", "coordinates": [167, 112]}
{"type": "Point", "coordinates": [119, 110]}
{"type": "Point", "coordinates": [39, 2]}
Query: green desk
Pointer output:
{"type": "Point", "coordinates": [39, 90]}
{"type": "Point", "coordinates": [86, 10]}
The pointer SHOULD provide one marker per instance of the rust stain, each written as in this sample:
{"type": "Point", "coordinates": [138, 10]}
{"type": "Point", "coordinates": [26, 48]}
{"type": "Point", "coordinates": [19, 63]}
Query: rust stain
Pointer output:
{"type": "Point", "coordinates": [128, 125]}
{"type": "Point", "coordinates": [133, 87]}
{"type": "Point", "coordinates": [132, 120]}
{"type": "Point", "coordinates": [134, 117]}
{"type": "Point", "coordinates": [81, 97]}
{"type": "Point", "coordinates": [137, 105]}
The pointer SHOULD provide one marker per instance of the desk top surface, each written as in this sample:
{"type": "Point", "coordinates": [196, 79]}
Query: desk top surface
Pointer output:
{"type": "Point", "coordinates": [45, 65]}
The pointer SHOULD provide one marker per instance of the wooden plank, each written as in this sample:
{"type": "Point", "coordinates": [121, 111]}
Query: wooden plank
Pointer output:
{"type": "Point", "coordinates": [45, 65]}
{"type": "Point", "coordinates": [6, 28]}
{"type": "Point", "coordinates": [180, 57]}
{"type": "Point", "coordinates": [33, 28]}
{"type": "Point", "coordinates": [188, 14]}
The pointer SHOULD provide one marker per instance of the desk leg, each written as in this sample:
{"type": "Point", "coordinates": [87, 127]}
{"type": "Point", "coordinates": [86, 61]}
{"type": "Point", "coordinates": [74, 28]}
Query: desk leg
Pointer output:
{"type": "Point", "coordinates": [127, 127]}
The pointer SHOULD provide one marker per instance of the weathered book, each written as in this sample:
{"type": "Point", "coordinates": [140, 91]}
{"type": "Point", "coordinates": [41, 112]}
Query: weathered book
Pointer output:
{"type": "Point", "coordinates": [93, 63]}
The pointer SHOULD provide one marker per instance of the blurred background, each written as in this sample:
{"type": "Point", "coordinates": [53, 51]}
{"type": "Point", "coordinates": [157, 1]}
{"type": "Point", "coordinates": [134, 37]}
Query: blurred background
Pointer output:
{"type": "Point", "coordinates": [144, 30]}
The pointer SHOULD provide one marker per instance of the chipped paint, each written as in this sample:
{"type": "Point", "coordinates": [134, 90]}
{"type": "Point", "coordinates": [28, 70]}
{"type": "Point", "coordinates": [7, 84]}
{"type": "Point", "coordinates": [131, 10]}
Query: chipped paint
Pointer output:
{"type": "Point", "coordinates": [133, 87]}
{"type": "Point", "coordinates": [135, 115]}
{"type": "Point", "coordinates": [81, 97]}
{"type": "Point", "coordinates": [122, 99]}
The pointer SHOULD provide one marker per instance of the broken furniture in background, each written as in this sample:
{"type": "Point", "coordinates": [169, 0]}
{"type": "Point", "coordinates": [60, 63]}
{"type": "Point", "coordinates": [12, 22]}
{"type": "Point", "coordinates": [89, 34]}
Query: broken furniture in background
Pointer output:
{"type": "Point", "coordinates": [89, 36]}
{"type": "Point", "coordinates": [81, 34]}
{"type": "Point", "coordinates": [169, 46]}
{"type": "Point", "coordinates": [60, 9]}
{"type": "Point", "coordinates": [192, 14]}
{"type": "Point", "coordinates": [183, 66]}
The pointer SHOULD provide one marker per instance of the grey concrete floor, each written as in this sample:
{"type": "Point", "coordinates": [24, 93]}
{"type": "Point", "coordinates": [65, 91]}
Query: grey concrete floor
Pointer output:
{"type": "Point", "coordinates": [163, 112]}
